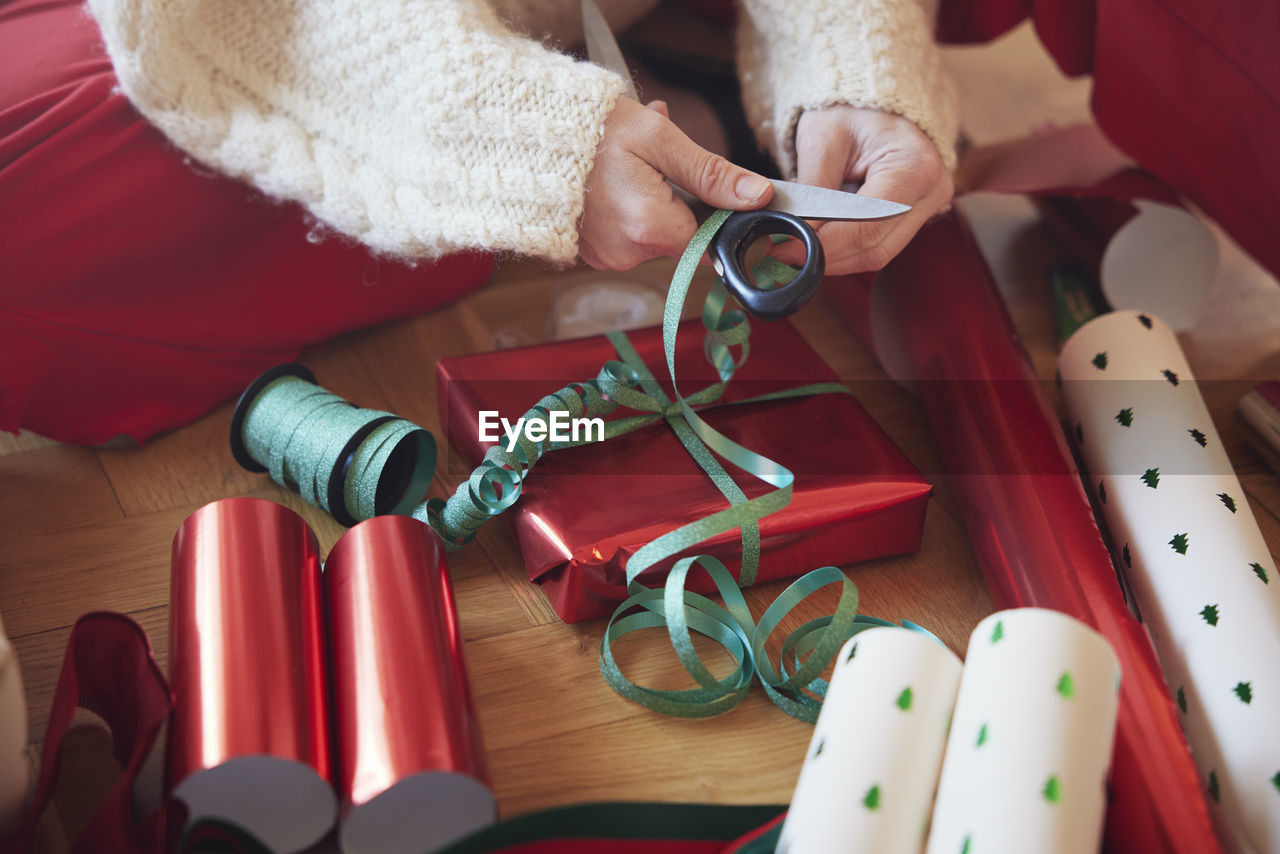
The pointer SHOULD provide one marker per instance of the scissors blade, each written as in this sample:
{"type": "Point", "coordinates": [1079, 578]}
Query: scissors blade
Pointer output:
{"type": "Point", "coordinates": [602, 47]}
{"type": "Point", "coordinates": [809, 202]}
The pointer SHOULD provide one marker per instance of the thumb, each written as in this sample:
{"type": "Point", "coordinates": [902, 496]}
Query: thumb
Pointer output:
{"type": "Point", "coordinates": [709, 177]}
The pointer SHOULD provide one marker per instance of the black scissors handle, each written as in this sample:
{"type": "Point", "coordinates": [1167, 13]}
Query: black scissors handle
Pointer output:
{"type": "Point", "coordinates": [729, 251]}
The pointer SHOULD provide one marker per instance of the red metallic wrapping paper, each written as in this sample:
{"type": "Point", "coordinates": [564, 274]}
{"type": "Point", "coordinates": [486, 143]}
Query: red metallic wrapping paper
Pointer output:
{"type": "Point", "coordinates": [248, 740]}
{"type": "Point", "coordinates": [586, 510]}
{"type": "Point", "coordinates": [938, 316]}
{"type": "Point", "coordinates": [412, 773]}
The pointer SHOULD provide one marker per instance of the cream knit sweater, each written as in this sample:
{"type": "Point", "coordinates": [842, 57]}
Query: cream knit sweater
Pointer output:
{"type": "Point", "coordinates": [421, 127]}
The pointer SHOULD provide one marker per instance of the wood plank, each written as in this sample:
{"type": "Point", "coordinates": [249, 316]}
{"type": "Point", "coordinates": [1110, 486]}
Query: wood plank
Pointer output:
{"type": "Point", "coordinates": [55, 488]}
{"type": "Point", "coordinates": [183, 468]}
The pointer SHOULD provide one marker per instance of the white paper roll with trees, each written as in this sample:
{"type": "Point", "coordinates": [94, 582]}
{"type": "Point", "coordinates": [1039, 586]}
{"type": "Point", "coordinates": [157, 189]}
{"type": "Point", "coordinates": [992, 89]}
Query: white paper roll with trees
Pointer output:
{"type": "Point", "coordinates": [1192, 553]}
{"type": "Point", "coordinates": [15, 771]}
{"type": "Point", "coordinates": [1030, 744]}
{"type": "Point", "coordinates": [868, 779]}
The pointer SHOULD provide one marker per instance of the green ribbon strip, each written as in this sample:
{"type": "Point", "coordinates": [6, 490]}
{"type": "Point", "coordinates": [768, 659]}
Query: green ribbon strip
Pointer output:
{"type": "Point", "coordinates": [303, 433]}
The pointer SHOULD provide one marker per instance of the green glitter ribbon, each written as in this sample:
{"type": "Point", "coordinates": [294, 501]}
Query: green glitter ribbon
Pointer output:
{"type": "Point", "coordinates": [299, 431]}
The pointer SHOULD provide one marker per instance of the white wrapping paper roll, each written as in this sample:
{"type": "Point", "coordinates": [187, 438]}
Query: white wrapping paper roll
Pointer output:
{"type": "Point", "coordinates": [1030, 742]}
{"type": "Point", "coordinates": [1194, 557]}
{"type": "Point", "coordinates": [868, 778]}
{"type": "Point", "coordinates": [14, 769]}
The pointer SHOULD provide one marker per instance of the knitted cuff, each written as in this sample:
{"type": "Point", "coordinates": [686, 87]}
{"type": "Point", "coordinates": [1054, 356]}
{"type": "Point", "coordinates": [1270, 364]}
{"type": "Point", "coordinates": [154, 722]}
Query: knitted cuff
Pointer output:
{"type": "Point", "coordinates": [879, 54]}
{"type": "Point", "coordinates": [415, 134]}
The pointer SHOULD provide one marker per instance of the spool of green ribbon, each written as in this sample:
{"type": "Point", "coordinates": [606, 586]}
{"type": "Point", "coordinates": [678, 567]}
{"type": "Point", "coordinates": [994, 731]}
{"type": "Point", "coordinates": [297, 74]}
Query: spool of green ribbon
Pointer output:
{"type": "Point", "coordinates": [352, 463]}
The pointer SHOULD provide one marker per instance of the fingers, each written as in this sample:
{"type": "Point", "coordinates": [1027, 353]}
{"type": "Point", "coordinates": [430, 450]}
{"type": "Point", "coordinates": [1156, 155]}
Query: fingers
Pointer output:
{"type": "Point", "coordinates": [853, 247]}
{"type": "Point", "coordinates": [895, 161]}
{"type": "Point", "coordinates": [709, 177]}
{"type": "Point", "coordinates": [630, 212]}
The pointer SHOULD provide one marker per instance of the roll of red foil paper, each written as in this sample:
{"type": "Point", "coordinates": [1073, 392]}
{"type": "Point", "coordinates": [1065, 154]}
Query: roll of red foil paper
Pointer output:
{"type": "Point", "coordinates": [248, 741]}
{"type": "Point", "coordinates": [413, 774]}
{"type": "Point", "coordinates": [937, 321]}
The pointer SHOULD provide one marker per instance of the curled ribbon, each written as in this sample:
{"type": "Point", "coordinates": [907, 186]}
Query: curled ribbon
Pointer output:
{"type": "Point", "coordinates": [304, 431]}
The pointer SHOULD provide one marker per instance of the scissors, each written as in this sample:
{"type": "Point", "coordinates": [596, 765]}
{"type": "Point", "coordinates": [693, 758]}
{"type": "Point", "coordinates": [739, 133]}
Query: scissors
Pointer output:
{"type": "Point", "coordinates": [792, 204]}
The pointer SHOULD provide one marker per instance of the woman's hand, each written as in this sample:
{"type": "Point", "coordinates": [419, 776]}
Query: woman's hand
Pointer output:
{"type": "Point", "coordinates": [631, 214]}
{"type": "Point", "coordinates": [891, 158]}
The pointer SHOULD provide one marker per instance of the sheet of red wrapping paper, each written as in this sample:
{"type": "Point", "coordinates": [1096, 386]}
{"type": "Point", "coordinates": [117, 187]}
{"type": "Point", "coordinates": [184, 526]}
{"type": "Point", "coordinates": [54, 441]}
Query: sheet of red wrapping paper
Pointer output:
{"type": "Point", "coordinates": [1187, 89]}
{"type": "Point", "coordinates": [249, 738]}
{"type": "Point", "coordinates": [412, 773]}
{"type": "Point", "coordinates": [108, 668]}
{"type": "Point", "coordinates": [936, 315]}
{"type": "Point", "coordinates": [586, 510]}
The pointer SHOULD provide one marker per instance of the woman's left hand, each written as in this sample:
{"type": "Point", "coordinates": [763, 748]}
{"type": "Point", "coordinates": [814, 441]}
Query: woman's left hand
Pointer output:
{"type": "Point", "coordinates": [891, 158]}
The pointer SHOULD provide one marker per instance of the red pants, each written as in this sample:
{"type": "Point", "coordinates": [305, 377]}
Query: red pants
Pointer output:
{"type": "Point", "coordinates": [137, 290]}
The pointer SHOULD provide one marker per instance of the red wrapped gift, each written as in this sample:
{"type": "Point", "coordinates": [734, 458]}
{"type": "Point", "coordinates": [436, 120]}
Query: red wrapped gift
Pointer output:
{"type": "Point", "coordinates": [584, 511]}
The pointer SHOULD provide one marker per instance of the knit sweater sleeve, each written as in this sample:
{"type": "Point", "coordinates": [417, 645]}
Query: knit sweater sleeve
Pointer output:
{"type": "Point", "coordinates": [797, 55]}
{"type": "Point", "coordinates": [418, 128]}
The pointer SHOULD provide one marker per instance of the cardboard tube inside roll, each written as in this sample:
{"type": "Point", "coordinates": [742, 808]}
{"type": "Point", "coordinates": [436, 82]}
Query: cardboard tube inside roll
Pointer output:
{"type": "Point", "coordinates": [413, 775]}
{"type": "Point", "coordinates": [248, 741]}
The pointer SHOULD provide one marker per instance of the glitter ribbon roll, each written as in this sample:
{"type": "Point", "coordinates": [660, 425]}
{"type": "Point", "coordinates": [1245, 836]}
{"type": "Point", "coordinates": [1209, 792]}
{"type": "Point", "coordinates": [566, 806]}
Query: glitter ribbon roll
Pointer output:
{"type": "Point", "coordinates": [412, 772]}
{"type": "Point", "coordinates": [353, 463]}
{"type": "Point", "coordinates": [249, 738]}
{"type": "Point", "coordinates": [1191, 550]}
{"type": "Point", "coordinates": [868, 778]}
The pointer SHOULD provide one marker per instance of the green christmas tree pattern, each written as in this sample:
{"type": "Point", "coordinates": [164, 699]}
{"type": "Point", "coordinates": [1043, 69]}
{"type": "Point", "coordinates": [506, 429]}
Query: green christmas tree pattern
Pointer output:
{"type": "Point", "coordinates": [1052, 790]}
{"type": "Point", "coordinates": [982, 736]}
{"type": "Point", "coordinates": [1151, 477]}
{"type": "Point", "coordinates": [1182, 699]}
{"type": "Point", "coordinates": [1259, 571]}
{"type": "Point", "coordinates": [1213, 785]}
{"type": "Point", "coordinates": [1244, 690]}
{"type": "Point", "coordinates": [904, 699]}
{"type": "Point", "coordinates": [1066, 686]}
{"type": "Point", "coordinates": [1227, 501]}
{"type": "Point", "coordinates": [871, 800]}
{"type": "Point", "coordinates": [853, 650]}
{"type": "Point", "coordinates": [1210, 614]}
{"type": "Point", "coordinates": [1100, 361]}
{"type": "Point", "coordinates": [998, 632]}
{"type": "Point", "coordinates": [964, 849]}
{"type": "Point", "coordinates": [1170, 376]}
{"type": "Point", "coordinates": [818, 750]}
{"type": "Point", "coordinates": [1200, 438]}
{"type": "Point", "coordinates": [1125, 417]}
{"type": "Point", "coordinates": [1179, 543]}
{"type": "Point", "coordinates": [1275, 781]}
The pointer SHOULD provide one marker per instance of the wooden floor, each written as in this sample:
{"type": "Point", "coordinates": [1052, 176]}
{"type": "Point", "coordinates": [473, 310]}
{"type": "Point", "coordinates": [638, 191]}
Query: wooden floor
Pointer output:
{"type": "Point", "coordinates": [84, 528]}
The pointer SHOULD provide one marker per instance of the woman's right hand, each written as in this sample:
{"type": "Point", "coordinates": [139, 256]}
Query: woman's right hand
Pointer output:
{"type": "Point", "coordinates": [630, 213]}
